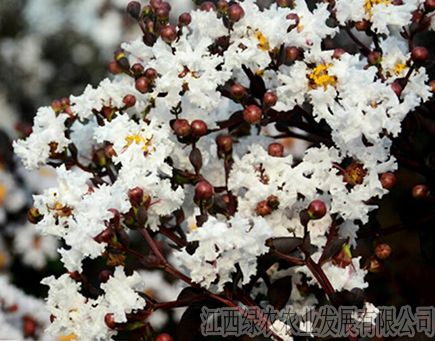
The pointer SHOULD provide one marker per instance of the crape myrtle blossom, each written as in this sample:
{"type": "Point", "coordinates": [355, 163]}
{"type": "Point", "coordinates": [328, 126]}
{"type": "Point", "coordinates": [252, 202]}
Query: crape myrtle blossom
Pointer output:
{"type": "Point", "coordinates": [176, 162]}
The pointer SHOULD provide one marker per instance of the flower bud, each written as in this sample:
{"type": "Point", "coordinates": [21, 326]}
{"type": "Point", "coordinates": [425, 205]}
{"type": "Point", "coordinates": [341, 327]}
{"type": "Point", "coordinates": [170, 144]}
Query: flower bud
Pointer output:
{"type": "Point", "coordinates": [273, 201]}
{"type": "Point", "coordinates": [109, 151]}
{"type": "Point", "coordinates": [155, 3]}
{"type": "Point", "coordinates": [235, 12]}
{"type": "Point", "coordinates": [374, 265]}
{"type": "Point", "coordinates": [184, 19]}
{"type": "Point", "coordinates": [432, 85]}
{"type": "Point", "coordinates": [114, 68]}
{"type": "Point", "coordinates": [104, 237]}
{"type": "Point", "coordinates": [151, 74]}
{"type": "Point", "coordinates": [317, 209]}
{"type": "Point", "coordinates": [374, 57]}
{"type": "Point", "coordinates": [397, 88]}
{"type": "Point", "coordinates": [142, 84]}
{"type": "Point", "coordinates": [162, 12]}
{"type": "Point", "coordinates": [168, 33]}
{"type": "Point", "coordinates": [109, 319]}
{"type": "Point", "coordinates": [199, 128]}
{"type": "Point", "coordinates": [388, 180]}
{"type": "Point", "coordinates": [429, 5]}
{"type": "Point", "coordinates": [419, 54]}
{"type": "Point", "coordinates": [383, 251]}
{"type": "Point", "coordinates": [34, 216]}
{"type": "Point", "coordinates": [133, 8]}
{"type": "Point", "coordinates": [222, 6]}
{"type": "Point", "coordinates": [135, 195]}
{"type": "Point", "coordinates": [292, 53]}
{"type": "Point", "coordinates": [29, 327]}
{"type": "Point", "coordinates": [121, 59]}
{"type": "Point", "coordinates": [293, 16]}
{"type": "Point", "coordinates": [224, 143]}
{"type": "Point", "coordinates": [181, 127]}
{"type": "Point", "coordinates": [263, 209]}
{"type": "Point", "coordinates": [207, 6]}
{"type": "Point", "coordinates": [238, 91]}
{"type": "Point", "coordinates": [252, 114]}
{"type": "Point", "coordinates": [362, 25]}
{"type": "Point", "coordinates": [270, 99]}
{"type": "Point", "coordinates": [164, 337]}
{"type": "Point", "coordinates": [420, 191]}
{"type": "Point", "coordinates": [129, 101]}
{"type": "Point", "coordinates": [203, 190]}
{"type": "Point", "coordinates": [275, 149]}
{"type": "Point", "coordinates": [56, 105]}
{"type": "Point", "coordinates": [137, 69]}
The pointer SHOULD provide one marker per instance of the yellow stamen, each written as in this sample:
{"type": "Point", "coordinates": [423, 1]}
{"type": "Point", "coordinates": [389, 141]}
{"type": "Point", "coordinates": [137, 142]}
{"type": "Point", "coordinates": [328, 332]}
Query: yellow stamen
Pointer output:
{"type": "Point", "coordinates": [398, 68]}
{"type": "Point", "coordinates": [369, 4]}
{"type": "Point", "coordinates": [69, 337]}
{"type": "Point", "coordinates": [263, 44]}
{"type": "Point", "coordinates": [140, 140]}
{"type": "Point", "coordinates": [320, 77]}
{"type": "Point", "coordinates": [3, 192]}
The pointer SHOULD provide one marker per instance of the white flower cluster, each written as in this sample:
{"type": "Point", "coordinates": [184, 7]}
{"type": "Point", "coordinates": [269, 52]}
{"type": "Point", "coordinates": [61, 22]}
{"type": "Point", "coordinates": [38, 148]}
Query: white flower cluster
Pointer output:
{"type": "Point", "coordinates": [116, 140]}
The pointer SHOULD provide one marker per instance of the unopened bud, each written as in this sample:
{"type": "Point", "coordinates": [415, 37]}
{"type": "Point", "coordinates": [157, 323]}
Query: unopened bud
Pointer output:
{"type": "Point", "coordinates": [109, 319]}
{"type": "Point", "coordinates": [142, 84]}
{"type": "Point", "coordinates": [252, 114]}
{"type": "Point", "coordinates": [133, 8]}
{"type": "Point", "coordinates": [181, 128]}
{"type": "Point", "coordinates": [199, 128]}
{"type": "Point", "coordinates": [275, 149]}
{"type": "Point", "coordinates": [224, 143]}
{"type": "Point", "coordinates": [136, 196]}
{"type": "Point", "coordinates": [420, 191]}
{"type": "Point", "coordinates": [129, 101]}
{"type": "Point", "coordinates": [263, 209]}
{"type": "Point", "coordinates": [238, 91]}
{"type": "Point", "coordinates": [168, 33]}
{"type": "Point", "coordinates": [207, 6]}
{"type": "Point", "coordinates": [292, 54]}
{"type": "Point", "coordinates": [388, 180]}
{"type": "Point", "coordinates": [383, 251]}
{"type": "Point", "coordinates": [419, 54]}
{"type": "Point", "coordinates": [203, 190]}
{"type": "Point", "coordinates": [362, 25]}
{"type": "Point", "coordinates": [317, 209]}
{"type": "Point", "coordinates": [270, 99]}
{"type": "Point", "coordinates": [164, 337]}
{"type": "Point", "coordinates": [235, 12]}
{"type": "Point", "coordinates": [184, 19]}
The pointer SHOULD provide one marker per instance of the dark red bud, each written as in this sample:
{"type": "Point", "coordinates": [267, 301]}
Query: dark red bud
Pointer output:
{"type": "Point", "coordinates": [383, 251]}
{"type": "Point", "coordinates": [238, 91]}
{"type": "Point", "coordinates": [104, 276]}
{"type": "Point", "coordinates": [432, 85]}
{"type": "Point", "coordinates": [235, 12]}
{"type": "Point", "coordinates": [203, 190]}
{"type": "Point", "coordinates": [142, 84]}
{"type": "Point", "coordinates": [429, 5]}
{"type": "Point", "coordinates": [151, 74]}
{"type": "Point", "coordinates": [317, 209]}
{"type": "Point", "coordinates": [397, 88]}
{"type": "Point", "coordinates": [222, 6]}
{"type": "Point", "coordinates": [164, 337]}
{"type": "Point", "coordinates": [133, 8]}
{"type": "Point", "coordinates": [129, 100]}
{"type": "Point", "coordinates": [56, 105]}
{"type": "Point", "coordinates": [263, 209]}
{"type": "Point", "coordinates": [270, 99]}
{"type": "Point", "coordinates": [156, 3]}
{"type": "Point", "coordinates": [338, 52]}
{"type": "Point", "coordinates": [275, 149]}
{"type": "Point", "coordinates": [388, 180]}
{"type": "Point", "coordinates": [181, 128]}
{"type": "Point", "coordinates": [419, 54]}
{"type": "Point", "coordinates": [29, 327]}
{"type": "Point", "coordinates": [168, 33]}
{"type": "Point", "coordinates": [252, 114]}
{"type": "Point", "coordinates": [184, 19]}
{"type": "Point", "coordinates": [292, 53]}
{"type": "Point", "coordinates": [199, 128]}
{"type": "Point", "coordinates": [207, 6]}
{"type": "Point", "coordinates": [137, 69]}
{"type": "Point", "coordinates": [114, 68]}
{"type": "Point", "coordinates": [224, 143]}
{"type": "Point", "coordinates": [136, 196]}
{"type": "Point", "coordinates": [109, 319]}
{"type": "Point", "coordinates": [420, 191]}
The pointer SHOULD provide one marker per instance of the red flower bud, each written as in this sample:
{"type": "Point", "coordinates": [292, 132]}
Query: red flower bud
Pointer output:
{"type": "Point", "coordinates": [222, 5]}
{"type": "Point", "coordinates": [238, 91]}
{"type": "Point", "coordinates": [429, 5]}
{"type": "Point", "coordinates": [203, 190]}
{"type": "Point", "coordinates": [199, 128]}
{"type": "Point", "coordinates": [114, 68]}
{"type": "Point", "coordinates": [275, 149]}
{"type": "Point", "coordinates": [292, 53]}
{"type": "Point", "coordinates": [110, 321]}
{"type": "Point", "coordinates": [29, 326]}
{"type": "Point", "coordinates": [252, 114]}
{"type": "Point", "coordinates": [420, 191]}
{"type": "Point", "coordinates": [184, 19]}
{"type": "Point", "coordinates": [133, 8]}
{"type": "Point", "coordinates": [137, 69]}
{"type": "Point", "coordinates": [164, 337]}
{"type": "Point", "coordinates": [168, 33]}
{"type": "Point", "coordinates": [129, 100]}
{"type": "Point", "coordinates": [270, 99]}
{"type": "Point", "coordinates": [383, 251]}
{"type": "Point", "coordinates": [207, 6]}
{"type": "Point", "coordinates": [388, 180]}
{"type": "Point", "coordinates": [317, 209]}
{"type": "Point", "coordinates": [235, 12]}
{"type": "Point", "coordinates": [419, 54]}
{"type": "Point", "coordinates": [181, 128]}
{"type": "Point", "coordinates": [151, 74]}
{"type": "Point", "coordinates": [263, 209]}
{"type": "Point", "coordinates": [224, 143]}
{"type": "Point", "coordinates": [136, 196]}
